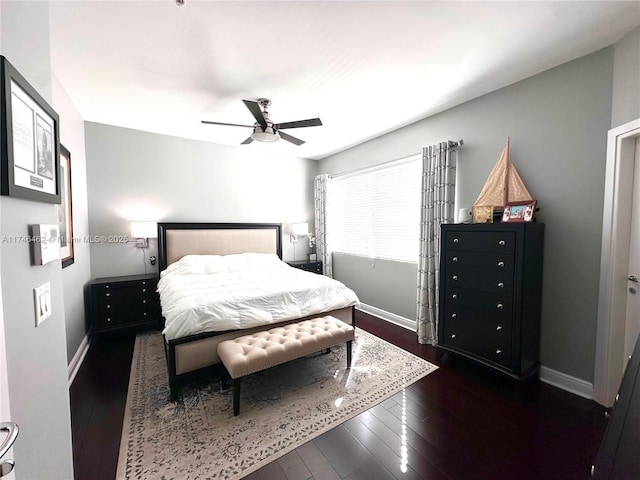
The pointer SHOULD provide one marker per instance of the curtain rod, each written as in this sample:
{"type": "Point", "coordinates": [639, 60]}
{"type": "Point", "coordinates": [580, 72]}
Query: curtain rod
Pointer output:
{"type": "Point", "coordinates": [450, 143]}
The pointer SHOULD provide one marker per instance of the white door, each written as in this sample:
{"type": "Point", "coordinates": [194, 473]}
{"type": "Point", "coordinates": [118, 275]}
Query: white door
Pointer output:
{"type": "Point", "coordinates": [632, 327]}
{"type": "Point", "coordinates": [5, 411]}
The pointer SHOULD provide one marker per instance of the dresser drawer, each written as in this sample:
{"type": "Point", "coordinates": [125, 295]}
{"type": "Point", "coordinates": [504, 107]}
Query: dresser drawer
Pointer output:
{"type": "Point", "coordinates": [492, 263]}
{"type": "Point", "coordinates": [496, 242]}
{"type": "Point", "coordinates": [501, 284]}
{"type": "Point", "coordinates": [461, 302]}
{"type": "Point", "coordinates": [482, 339]}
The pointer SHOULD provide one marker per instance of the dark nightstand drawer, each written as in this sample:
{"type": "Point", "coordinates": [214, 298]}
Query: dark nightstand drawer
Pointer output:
{"type": "Point", "coordinates": [124, 302]}
{"type": "Point", "coordinates": [308, 266]}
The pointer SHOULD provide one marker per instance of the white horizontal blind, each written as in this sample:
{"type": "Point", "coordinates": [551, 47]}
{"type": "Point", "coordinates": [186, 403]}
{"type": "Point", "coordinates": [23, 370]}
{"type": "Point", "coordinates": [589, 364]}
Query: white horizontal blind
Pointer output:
{"type": "Point", "coordinates": [376, 212]}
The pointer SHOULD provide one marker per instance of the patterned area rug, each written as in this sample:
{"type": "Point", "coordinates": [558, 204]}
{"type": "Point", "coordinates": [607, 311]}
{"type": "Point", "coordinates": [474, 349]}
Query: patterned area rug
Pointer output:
{"type": "Point", "coordinates": [281, 408]}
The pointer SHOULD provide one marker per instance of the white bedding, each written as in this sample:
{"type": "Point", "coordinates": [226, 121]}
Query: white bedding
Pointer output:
{"type": "Point", "coordinates": [204, 293]}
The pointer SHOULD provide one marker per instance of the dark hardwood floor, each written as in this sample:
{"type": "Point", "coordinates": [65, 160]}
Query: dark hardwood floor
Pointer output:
{"type": "Point", "coordinates": [460, 422]}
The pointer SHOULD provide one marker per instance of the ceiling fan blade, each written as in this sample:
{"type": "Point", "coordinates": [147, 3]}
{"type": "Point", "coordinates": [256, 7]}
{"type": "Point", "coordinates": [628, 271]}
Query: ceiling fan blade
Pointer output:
{"type": "Point", "coordinates": [312, 122]}
{"type": "Point", "coordinates": [254, 108]}
{"type": "Point", "coordinates": [247, 141]}
{"type": "Point", "coordinates": [291, 139]}
{"type": "Point", "coordinates": [227, 124]}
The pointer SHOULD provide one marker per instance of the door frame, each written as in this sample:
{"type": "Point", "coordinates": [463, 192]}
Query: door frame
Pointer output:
{"type": "Point", "coordinates": [614, 262]}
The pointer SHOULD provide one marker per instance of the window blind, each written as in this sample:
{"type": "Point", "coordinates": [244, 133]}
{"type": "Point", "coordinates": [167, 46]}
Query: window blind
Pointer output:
{"type": "Point", "coordinates": [376, 212]}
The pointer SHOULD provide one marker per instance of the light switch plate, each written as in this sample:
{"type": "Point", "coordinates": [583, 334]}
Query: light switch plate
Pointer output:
{"type": "Point", "coordinates": [42, 301]}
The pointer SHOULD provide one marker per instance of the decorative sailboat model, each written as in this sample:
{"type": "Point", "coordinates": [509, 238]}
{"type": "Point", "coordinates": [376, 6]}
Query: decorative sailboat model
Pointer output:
{"type": "Point", "coordinates": [504, 194]}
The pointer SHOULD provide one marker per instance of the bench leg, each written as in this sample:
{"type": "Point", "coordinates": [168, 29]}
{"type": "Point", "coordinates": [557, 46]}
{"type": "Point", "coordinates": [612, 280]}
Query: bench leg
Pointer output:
{"type": "Point", "coordinates": [236, 396]}
{"type": "Point", "coordinates": [349, 354]}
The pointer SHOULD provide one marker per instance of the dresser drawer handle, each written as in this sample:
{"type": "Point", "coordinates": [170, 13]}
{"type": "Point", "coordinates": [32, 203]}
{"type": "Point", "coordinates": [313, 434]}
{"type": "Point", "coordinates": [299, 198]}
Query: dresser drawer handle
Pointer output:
{"type": "Point", "coordinates": [453, 335]}
{"type": "Point", "coordinates": [144, 301]}
{"type": "Point", "coordinates": [107, 294]}
{"type": "Point", "coordinates": [108, 319]}
{"type": "Point", "coordinates": [109, 306]}
{"type": "Point", "coordinates": [145, 314]}
{"type": "Point", "coordinates": [500, 285]}
{"type": "Point", "coordinates": [455, 277]}
{"type": "Point", "coordinates": [500, 306]}
{"type": "Point", "coordinates": [106, 286]}
{"type": "Point", "coordinates": [455, 259]}
{"type": "Point", "coordinates": [144, 290]}
{"type": "Point", "coordinates": [498, 328]}
{"type": "Point", "coordinates": [502, 243]}
{"type": "Point", "coordinates": [455, 240]}
{"type": "Point", "coordinates": [498, 352]}
{"type": "Point", "coordinates": [454, 315]}
{"type": "Point", "coordinates": [454, 296]}
{"type": "Point", "coordinates": [501, 264]}
{"type": "Point", "coordinates": [144, 283]}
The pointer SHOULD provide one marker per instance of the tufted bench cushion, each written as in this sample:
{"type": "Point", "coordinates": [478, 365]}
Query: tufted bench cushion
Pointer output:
{"type": "Point", "coordinates": [261, 350]}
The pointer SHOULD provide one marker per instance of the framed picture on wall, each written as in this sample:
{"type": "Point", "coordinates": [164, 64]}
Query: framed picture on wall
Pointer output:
{"type": "Point", "coordinates": [65, 213]}
{"type": "Point", "coordinates": [29, 138]}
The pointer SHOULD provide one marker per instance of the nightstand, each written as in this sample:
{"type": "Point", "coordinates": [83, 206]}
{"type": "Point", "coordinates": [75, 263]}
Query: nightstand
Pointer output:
{"type": "Point", "coordinates": [124, 302]}
{"type": "Point", "coordinates": [306, 265]}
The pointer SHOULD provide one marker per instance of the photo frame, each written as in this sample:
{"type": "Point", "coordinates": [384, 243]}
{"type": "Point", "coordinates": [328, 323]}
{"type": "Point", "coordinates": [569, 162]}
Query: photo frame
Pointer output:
{"type": "Point", "coordinates": [45, 246]}
{"type": "Point", "coordinates": [65, 211]}
{"type": "Point", "coordinates": [519, 211]}
{"type": "Point", "coordinates": [482, 214]}
{"type": "Point", "coordinates": [29, 140]}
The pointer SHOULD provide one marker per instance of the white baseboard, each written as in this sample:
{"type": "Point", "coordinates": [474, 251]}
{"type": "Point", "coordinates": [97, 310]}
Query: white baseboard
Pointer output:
{"type": "Point", "coordinates": [566, 382]}
{"type": "Point", "coordinates": [389, 317]}
{"type": "Point", "coordinates": [558, 379]}
{"type": "Point", "coordinates": [77, 359]}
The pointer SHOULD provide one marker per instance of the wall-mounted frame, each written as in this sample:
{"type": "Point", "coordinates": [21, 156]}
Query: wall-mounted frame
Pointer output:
{"type": "Point", "coordinates": [65, 211]}
{"type": "Point", "coordinates": [519, 211]}
{"type": "Point", "coordinates": [29, 140]}
{"type": "Point", "coordinates": [45, 244]}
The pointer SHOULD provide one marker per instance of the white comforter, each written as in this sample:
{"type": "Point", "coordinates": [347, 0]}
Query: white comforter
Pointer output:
{"type": "Point", "coordinates": [203, 293]}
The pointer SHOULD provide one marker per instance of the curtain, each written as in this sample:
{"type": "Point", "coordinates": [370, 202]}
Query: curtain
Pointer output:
{"type": "Point", "coordinates": [323, 250]}
{"type": "Point", "coordinates": [438, 207]}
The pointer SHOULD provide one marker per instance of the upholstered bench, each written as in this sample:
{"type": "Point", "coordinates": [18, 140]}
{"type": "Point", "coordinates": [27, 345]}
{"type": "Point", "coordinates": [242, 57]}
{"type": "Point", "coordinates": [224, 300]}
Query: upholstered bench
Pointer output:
{"type": "Point", "coordinates": [261, 350]}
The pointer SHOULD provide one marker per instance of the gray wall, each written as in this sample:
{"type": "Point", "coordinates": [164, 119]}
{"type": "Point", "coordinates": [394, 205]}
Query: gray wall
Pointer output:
{"type": "Point", "coordinates": [134, 175]}
{"type": "Point", "coordinates": [558, 122]}
{"type": "Point", "coordinates": [36, 357]}
{"type": "Point", "coordinates": [76, 276]}
{"type": "Point", "coordinates": [626, 79]}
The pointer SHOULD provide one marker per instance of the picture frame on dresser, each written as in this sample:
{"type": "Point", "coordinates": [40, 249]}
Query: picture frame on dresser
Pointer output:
{"type": "Point", "coordinates": [29, 140]}
{"type": "Point", "coordinates": [523, 211]}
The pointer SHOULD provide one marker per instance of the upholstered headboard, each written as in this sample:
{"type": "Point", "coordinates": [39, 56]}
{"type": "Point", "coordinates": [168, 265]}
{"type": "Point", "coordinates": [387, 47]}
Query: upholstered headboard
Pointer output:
{"type": "Point", "coordinates": [175, 240]}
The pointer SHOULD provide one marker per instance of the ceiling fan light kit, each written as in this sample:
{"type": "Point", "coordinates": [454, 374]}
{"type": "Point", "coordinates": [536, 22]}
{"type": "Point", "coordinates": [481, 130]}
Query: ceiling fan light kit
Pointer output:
{"type": "Point", "coordinates": [264, 130]}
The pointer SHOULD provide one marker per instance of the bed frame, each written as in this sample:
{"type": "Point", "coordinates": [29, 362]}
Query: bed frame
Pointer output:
{"type": "Point", "coordinates": [195, 356]}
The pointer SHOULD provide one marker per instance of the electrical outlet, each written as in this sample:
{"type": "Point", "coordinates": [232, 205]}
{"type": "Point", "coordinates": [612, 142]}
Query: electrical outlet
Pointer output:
{"type": "Point", "coordinates": [152, 260]}
{"type": "Point", "coordinates": [42, 302]}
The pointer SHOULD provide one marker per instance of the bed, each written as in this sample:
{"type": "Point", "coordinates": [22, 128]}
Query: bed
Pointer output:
{"type": "Point", "coordinates": [191, 352]}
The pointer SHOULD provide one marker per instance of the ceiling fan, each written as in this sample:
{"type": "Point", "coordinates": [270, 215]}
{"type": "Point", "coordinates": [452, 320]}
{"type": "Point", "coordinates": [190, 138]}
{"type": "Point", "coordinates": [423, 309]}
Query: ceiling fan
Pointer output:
{"type": "Point", "coordinates": [264, 130]}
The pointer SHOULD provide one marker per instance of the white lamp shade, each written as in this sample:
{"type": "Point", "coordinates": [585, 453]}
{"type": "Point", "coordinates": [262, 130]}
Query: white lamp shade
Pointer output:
{"type": "Point", "coordinates": [300, 229]}
{"type": "Point", "coordinates": [144, 230]}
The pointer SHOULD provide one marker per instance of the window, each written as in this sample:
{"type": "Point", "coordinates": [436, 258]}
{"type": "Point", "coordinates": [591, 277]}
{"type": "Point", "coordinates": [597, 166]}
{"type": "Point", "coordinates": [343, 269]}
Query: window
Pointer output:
{"type": "Point", "coordinates": [376, 212]}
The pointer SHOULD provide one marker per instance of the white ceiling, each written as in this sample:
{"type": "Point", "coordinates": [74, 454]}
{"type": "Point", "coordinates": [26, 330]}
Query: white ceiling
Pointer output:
{"type": "Point", "coordinates": [365, 67]}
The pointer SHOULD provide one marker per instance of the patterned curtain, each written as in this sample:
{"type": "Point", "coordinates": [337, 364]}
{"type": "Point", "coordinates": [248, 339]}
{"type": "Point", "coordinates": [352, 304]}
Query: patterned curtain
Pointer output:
{"type": "Point", "coordinates": [438, 207]}
{"type": "Point", "coordinates": [320, 200]}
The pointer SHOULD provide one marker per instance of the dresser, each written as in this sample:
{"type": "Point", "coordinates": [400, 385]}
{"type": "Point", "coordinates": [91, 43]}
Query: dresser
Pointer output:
{"type": "Point", "coordinates": [309, 266]}
{"type": "Point", "coordinates": [124, 302]}
{"type": "Point", "coordinates": [490, 295]}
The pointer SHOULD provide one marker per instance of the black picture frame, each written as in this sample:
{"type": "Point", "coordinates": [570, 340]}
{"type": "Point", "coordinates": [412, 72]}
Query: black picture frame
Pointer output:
{"type": "Point", "coordinates": [65, 210]}
{"type": "Point", "coordinates": [29, 140]}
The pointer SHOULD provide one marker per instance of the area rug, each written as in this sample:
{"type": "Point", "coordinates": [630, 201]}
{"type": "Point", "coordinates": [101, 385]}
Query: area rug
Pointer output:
{"type": "Point", "coordinates": [197, 437]}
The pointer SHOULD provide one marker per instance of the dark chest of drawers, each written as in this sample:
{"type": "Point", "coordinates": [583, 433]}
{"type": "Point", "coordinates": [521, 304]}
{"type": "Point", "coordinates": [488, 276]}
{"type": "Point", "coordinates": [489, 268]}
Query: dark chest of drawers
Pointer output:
{"type": "Point", "coordinates": [124, 302]}
{"type": "Point", "coordinates": [308, 266]}
{"type": "Point", "coordinates": [490, 295]}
